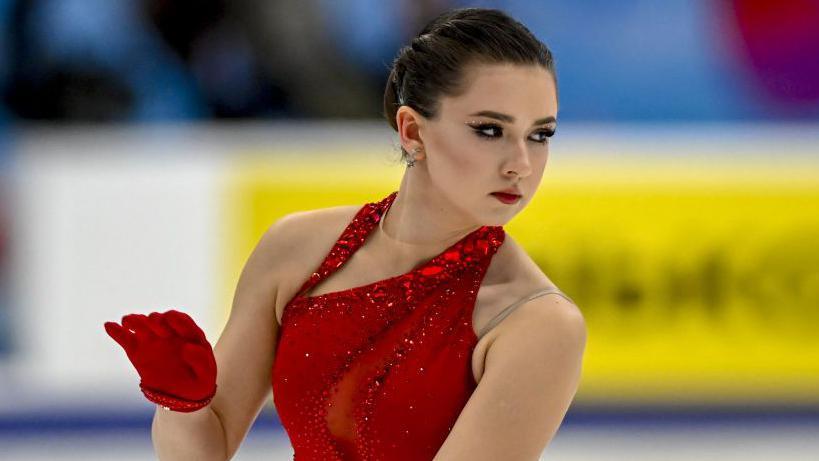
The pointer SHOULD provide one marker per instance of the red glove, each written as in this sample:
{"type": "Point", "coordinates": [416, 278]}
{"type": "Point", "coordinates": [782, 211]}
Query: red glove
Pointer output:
{"type": "Point", "coordinates": [172, 356]}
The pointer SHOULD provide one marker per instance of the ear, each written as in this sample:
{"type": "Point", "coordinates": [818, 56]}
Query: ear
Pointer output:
{"type": "Point", "coordinates": [410, 123]}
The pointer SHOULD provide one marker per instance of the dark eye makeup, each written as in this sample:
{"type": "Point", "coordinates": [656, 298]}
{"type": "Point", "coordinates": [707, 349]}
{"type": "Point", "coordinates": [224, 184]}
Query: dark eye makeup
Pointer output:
{"type": "Point", "coordinates": [480, 130]}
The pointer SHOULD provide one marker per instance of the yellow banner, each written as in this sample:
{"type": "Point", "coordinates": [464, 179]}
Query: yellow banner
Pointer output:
{"type": "Point", "coordinates": [698, 276]}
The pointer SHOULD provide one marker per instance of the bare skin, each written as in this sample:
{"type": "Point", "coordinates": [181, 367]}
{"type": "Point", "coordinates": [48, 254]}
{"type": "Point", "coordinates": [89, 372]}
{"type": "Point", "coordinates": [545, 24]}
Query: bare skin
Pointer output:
{"type": "Point", "coordinates": [446, 195]}
{"type": "Point", "coordinates": [510, 276]}
{"type": "Point", "coordinates": [528, 366]}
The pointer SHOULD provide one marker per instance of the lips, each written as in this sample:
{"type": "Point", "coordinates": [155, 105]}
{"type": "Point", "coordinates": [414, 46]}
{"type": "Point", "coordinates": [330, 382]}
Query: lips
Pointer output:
{"type": "Point", "coordinates": [506, 198]}
{"type": "Point", "coordinates": [505, 195]}
{"type": "Point", "coordinates": [509, 191]}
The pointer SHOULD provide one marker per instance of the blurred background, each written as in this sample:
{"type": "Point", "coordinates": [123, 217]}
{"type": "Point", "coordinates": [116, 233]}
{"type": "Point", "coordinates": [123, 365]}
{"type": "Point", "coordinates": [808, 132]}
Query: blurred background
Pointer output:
{"type": "Point", "coordinates": [145, 146]}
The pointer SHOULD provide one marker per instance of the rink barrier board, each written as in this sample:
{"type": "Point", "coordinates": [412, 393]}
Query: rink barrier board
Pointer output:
{"type": "Point", "coordinates": [698, 276]}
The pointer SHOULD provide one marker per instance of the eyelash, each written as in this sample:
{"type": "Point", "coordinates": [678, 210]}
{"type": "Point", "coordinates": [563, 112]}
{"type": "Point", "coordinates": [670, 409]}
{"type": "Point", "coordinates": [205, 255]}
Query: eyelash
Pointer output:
{"type": "Point", "coordinates": [479, 128]}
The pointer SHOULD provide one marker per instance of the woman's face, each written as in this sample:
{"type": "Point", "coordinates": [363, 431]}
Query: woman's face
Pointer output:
{"type": "Point", "coordinates": [492, 137]}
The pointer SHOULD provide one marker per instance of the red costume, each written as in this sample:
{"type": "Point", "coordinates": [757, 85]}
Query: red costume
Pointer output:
{"type": "Point", "coordinates": [381, 371]}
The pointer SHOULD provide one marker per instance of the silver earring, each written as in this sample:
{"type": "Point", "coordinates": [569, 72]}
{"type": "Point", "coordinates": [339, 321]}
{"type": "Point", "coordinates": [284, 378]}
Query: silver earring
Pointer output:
{"type": "Point", "coordinates": [411, 160]}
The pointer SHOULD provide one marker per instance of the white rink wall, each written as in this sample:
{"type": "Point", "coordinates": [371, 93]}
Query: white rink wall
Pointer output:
{"type": "Point", "coordinates": [114, 220]}
{"type": "Point", "coordinates": [104, 226]}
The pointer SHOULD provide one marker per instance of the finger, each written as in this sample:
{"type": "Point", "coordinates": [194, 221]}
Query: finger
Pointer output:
{"type": "Point", "coordinates": [122, 336]}
{"type": "Point", "coordinates": [138, 323]}
{"type": "Point", "coordinates": [199, 359]}
{"type": "Point", "coordinates": [158, 326]}
{"type": "Point", "coordinates": [185, 326]}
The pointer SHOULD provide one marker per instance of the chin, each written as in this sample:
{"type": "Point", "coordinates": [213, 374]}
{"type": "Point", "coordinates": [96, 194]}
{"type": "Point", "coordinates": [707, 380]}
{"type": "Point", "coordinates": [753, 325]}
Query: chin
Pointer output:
{"type": "Point", "coordinates": [499, 218]}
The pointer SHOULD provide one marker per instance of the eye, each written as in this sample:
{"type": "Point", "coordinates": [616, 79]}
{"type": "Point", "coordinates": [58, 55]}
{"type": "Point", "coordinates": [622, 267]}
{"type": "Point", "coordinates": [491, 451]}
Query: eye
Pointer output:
{"type": "Point", "coordinates": [546, 135]}
{"type": "Point", "coordinates": [481, 130]}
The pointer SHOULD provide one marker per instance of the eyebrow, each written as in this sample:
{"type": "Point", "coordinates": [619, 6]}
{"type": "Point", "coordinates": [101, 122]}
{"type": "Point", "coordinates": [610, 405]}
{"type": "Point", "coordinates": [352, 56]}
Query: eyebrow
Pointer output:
{"type": "Point", "coordinates": [510, 119]}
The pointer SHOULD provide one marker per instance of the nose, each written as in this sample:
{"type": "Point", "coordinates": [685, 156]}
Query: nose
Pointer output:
{"type": "Point", "coordinates": [519, 160]}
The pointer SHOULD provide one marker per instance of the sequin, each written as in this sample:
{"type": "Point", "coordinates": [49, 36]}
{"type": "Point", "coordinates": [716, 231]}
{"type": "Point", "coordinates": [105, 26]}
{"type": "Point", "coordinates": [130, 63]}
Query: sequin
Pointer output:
{"type": "Point", "coordinates": [380, 371]}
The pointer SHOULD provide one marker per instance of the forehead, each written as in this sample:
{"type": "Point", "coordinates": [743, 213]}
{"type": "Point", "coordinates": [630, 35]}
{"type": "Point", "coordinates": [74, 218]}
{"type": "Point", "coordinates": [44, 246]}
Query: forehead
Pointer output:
{"type": "Point", "coordinates": [525, 90]}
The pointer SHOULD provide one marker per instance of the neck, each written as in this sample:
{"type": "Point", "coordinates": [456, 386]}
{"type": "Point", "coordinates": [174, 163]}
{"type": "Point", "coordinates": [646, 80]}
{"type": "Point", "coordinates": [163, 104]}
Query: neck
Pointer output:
{"type": "Point", "coordinates": [415, 246]}
{"type": "Point", "coordinates": [400, 242]}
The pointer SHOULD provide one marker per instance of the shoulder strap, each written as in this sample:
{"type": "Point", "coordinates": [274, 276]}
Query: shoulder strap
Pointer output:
{"type": "Point", "coordinates": [511, 308]}
{"type": "Point", "coordinates": [350, 239]}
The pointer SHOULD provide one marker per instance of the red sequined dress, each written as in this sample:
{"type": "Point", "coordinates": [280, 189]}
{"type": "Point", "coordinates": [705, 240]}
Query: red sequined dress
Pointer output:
{"type": "Point", "coordinates": [380, 371]}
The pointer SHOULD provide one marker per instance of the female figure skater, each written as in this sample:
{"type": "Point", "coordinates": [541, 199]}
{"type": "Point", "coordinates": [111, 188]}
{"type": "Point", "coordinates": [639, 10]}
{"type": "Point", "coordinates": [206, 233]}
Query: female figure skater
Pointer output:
{"type": "Point", "coordinates": [410, 328]}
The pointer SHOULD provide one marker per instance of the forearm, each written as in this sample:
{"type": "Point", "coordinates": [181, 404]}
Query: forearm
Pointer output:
{"type": "Point", "coordinates": [181, 436]}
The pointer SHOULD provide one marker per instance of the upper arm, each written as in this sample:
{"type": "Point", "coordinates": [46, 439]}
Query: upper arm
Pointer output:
{"type": "Point", "coordinates": [245, 349]}
{"type": "Point", "coordinates": [532, 373]}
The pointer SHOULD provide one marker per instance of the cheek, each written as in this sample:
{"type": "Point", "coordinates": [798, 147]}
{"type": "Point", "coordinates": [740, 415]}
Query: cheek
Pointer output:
{"type": "Point", "coordinates": [469, 152]}
{"type": "Point", "coordinates": [457, 154]}
{"type": "Point", "coordinates": [460, 162]}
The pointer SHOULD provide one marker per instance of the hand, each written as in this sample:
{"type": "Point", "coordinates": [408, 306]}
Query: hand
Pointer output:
{"type": "Point", "coordinates": [170, 353]}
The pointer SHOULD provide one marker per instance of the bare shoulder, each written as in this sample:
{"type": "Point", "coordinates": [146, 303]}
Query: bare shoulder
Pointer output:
{"type": "Point", "coordinates": [532, 373]}
{"type": "Point", "coordinates": [293, 229]}
{"type": "Point", "coordinates": [511, 275]}
{"type": "Point", "coordinates": [549, 312]}
{"type": "Point", "coordinates": [304, 239]}
{"type": "Point", "coordinates": [543, 319]}
{"type": "Point", "coordinates": [316, 218]}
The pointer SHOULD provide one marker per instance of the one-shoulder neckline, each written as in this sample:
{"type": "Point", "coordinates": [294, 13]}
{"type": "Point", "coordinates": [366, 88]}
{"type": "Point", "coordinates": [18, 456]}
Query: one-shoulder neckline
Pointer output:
{"type": "Point", "coordinates": [395, 277]}
{"type": "Point", "coordinates": [380, 208]}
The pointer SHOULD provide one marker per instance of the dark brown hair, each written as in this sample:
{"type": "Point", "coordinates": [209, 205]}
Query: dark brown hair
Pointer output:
{"type": "Point", "coordinates": [432, 64]}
